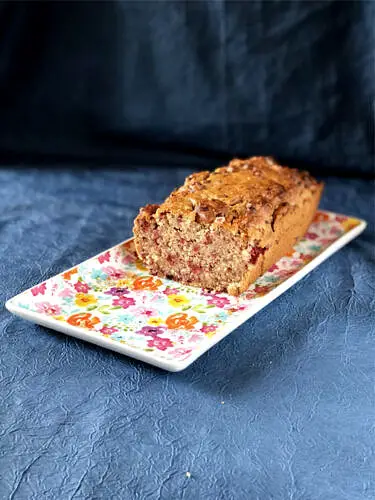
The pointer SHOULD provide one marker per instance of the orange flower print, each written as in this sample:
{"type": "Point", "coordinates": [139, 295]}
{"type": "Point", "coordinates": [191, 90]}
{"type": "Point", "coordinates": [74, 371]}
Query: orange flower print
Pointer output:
{"type": "Point", "coordinates": [181, 321]}
{"type": "Point", "coordinates": [84, 299]}
{"type": "Point", "coordinates": [290, 253]}
{"type": "Point", "coordinates": [84, 320]}
{"type": "Point", "coordinates": [321, 217]}
{"type": "Point", "coordinates": [306, 258]}
{"type": "Point", "coordinates": [68, 274]}
{"type": "Point", "coordinates": [129, 247]}
{"type": "Point", "coordinates": [146, 283]}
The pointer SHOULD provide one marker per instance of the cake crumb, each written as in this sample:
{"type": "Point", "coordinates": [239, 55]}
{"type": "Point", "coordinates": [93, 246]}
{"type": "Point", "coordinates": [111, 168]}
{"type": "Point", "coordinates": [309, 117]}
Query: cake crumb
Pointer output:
{"type": "Point", "coordinates": [188, 474]}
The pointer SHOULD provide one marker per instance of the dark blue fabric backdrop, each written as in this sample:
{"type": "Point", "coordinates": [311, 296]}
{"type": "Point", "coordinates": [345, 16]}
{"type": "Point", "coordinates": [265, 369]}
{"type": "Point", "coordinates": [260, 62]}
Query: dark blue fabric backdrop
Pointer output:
{"type": "Point", "coordinates": [194, 81]}
{"type": "Point", "coordinates": [160, 88]}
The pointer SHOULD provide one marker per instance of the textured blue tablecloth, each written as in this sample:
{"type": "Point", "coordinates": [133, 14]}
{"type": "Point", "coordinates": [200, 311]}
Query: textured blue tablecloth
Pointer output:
{"type": "Point", "coordinates": [282, 408]}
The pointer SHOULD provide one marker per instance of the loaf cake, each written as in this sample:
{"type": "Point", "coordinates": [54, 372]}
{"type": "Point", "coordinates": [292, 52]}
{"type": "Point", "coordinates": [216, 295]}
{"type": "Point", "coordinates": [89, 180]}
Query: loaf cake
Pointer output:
{"type": "Point", "coordinates": [221, 230]}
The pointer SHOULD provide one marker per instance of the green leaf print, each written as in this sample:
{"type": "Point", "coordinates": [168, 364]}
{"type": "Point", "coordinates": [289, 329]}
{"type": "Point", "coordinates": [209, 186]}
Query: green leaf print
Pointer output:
{"type": "Point", "coordinates": [104, 309]}
{"type": "Point", "coordinates": [200, 308]}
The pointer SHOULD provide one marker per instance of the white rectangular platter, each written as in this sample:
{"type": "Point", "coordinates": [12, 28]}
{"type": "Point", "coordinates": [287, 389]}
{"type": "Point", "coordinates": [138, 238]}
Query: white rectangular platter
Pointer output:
{"type": "Point", "coordinates": [111, 300]}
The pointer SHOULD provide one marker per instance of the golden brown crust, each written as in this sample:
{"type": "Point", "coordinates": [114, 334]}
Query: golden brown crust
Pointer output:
{"type": "Point", "coordinates": [242, 197]}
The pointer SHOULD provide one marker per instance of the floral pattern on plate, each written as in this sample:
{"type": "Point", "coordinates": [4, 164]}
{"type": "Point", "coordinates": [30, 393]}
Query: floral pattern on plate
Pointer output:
{"type": "Point", "coordinates": [113, 296]}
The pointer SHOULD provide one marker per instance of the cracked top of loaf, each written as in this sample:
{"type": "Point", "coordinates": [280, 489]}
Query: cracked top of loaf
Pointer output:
{"type": "Point", "coordinates": [240, 196]}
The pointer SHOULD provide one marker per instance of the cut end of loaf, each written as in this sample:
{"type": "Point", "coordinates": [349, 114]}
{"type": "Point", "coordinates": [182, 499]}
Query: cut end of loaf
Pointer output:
{"type": "Point", "coordinates": [195, 255]}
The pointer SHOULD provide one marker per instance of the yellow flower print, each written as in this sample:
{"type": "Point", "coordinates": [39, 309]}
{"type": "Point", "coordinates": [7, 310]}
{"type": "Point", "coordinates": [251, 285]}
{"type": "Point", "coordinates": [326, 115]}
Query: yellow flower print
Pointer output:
{"type": "Point", "coordinates": [121, 283]}
{"type": "Point", "coordinates": [84, 299]}
{"type": "Point", "coordinates": [155, 321]}
{"type": "Point", "coordinates": [59, 318]}
{"type": "Point", "coordinates": [177, 300]}
{"type": "Point", "coordinates": [139, 265]}
{"type": "Point", "coordinates": [349, 223]}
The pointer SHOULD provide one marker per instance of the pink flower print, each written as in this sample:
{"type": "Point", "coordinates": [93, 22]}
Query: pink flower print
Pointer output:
{"type": "Point", "coordinates": [218, 301]}
{"type": "Point", "coordinates": [273, 268]}
{"type": "Point", "coordinates": [340, 218]}
{"type": "Point", "coordinates": [180, 352]}
{"type": "Point", "coordinates": [295, 263]}
{"type": "Point", "coordinates": [146, 311]}
{"type": "Point", "coordinates": [195, 338]}
{"type": "Point", "coordinates": [104, 258]}
{"type": "Point", "coordinates": [208, 328]}
{"type": "Point", "coordinates": [81, 287]}
{"type": "Point", "coordinates": [112, 272]}
{"type": "Point", "coordinates": [159, 343]}
{"type": "Point", "coordinates": [151, 331]}
{"type": "Point", "coordinates": [128, 259]}
{"type": "Point", "coordinates": [171, 291]}
{"type": "Point", "coordinates": [285, 273]}
{"type": "Point", "coordinates": [108, 330]}
{"type": "Point", "coordinates": [40, 289]}
{"type": "Point", "coordinates": [67, 292]}
{"type": "Point", "coordinates": [335, 231]}
{"type": "Point", "coordinates": [47, 308]}
{"type": "Point", "coordinates": [311, 236]}
{"type": "Point", "coordinates": [326, 241]}
{"type": "Point", "coordinates": [117, 291]}
{"type": "Point", "coordinates": [124, 302]}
